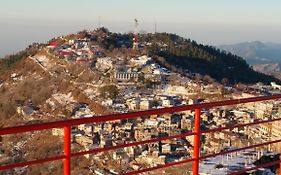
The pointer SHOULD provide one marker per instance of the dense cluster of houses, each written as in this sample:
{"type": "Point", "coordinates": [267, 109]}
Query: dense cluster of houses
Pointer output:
{"type": "Point", "coordinates": [80, 49]}
{"type": "Point", "coordinates": [127, 74]}
{"type": "Point", "coordinates": [124, 132]}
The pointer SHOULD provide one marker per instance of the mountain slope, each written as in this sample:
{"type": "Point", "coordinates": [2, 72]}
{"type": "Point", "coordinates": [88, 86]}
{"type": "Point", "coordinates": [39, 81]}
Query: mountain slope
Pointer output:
{"type": "Point", "coordinates": [184, 54]}
{"type": "Point", "coordinates": [256, 52]}
{"type": "Point", "coordinates": [39, 77]}
{"type": "Point", "coordinates": [269, 69]}
{"type": "Point", "coordinates": [48, 84]}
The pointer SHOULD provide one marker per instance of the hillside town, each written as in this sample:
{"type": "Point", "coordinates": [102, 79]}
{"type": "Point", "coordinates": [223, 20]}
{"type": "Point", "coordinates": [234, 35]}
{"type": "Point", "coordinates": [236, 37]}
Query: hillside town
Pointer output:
{"type": "Point", "coordinates": [125, 83]}
{"type": "Point", "coordinates": [164, 88]}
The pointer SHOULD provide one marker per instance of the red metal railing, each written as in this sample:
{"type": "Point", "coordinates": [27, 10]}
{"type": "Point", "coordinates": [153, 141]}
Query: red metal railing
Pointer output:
{"type": "Point", "coordinates": [67, 124]}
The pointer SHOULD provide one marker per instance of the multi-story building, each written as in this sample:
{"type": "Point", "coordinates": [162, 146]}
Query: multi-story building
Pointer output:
{"type": "Point", "coordinates": [126, 76]}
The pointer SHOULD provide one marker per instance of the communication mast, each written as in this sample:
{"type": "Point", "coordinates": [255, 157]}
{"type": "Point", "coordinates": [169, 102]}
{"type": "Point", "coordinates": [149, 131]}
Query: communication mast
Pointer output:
{"type": "Point", "coordinates": [99, 22]}
{"type": "Point", "coordinates": [136, 32]}
{"type": "Point", "coordinates": [155, 27]}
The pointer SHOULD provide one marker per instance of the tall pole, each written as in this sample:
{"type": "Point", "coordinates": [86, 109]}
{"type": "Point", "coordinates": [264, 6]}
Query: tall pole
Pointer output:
{"type": "Point", "coordinates": [99, 21]}
{"type": "Point", "coordinates": [196, 149]}
{"type": "Point", "coordinates": [67, 150]}
{"type": "Point", "coordinates": [135, 44]}
{"type": "Point", "coordinates": [279, 160]}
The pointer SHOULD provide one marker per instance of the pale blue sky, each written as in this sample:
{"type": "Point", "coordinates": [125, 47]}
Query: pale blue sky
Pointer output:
{"type": "Point", "coordinates": [206, 21]}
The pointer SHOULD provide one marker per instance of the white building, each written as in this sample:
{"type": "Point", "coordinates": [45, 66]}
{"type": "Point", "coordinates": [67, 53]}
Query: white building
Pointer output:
{"type": "Point", "coordinates": [140, 61]}
{"type": "Point", "coordinates": [167, 102]}
{"type": "Point", "coordinates": [133, 104]}
{"type": "Point", "coordinates": [104, 63]}
{"type": "Point", "coordinates": [126, 76]}
{"type": "Point", "coordinates": [276, 86]}
{"type": "Point", "coordinates": [145, 104]}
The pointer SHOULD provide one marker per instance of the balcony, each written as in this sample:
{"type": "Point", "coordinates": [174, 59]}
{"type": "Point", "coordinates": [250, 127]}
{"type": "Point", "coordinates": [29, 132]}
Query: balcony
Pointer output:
{"type": "Point", "coordinates": [196, 133]}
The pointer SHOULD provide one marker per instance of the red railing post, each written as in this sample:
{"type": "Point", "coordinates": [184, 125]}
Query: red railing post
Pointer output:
{"type": "Point", "coordinates": [196, 144]}
{"type": "Point", "coordinates": [67, 150]}
{"type": "Point", "coordinates": [279, 158]}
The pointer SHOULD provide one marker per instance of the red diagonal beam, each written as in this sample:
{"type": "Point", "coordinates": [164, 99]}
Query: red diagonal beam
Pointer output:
{"type": "Point", "coordinates": [33, 162]}
{"type": "Point", "coordinates": [255, 168]}
{"type": "Point", "coordinates": [239, 149]}
{"type": "Point", "coordinates": [239, 125]}
{"type": "Point", "coordinates": [158, 167]}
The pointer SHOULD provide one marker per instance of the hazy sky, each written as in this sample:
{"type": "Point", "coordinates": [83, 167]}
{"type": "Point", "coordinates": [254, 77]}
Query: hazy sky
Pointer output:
{"type": "Point", "coordinates": [206, 21]}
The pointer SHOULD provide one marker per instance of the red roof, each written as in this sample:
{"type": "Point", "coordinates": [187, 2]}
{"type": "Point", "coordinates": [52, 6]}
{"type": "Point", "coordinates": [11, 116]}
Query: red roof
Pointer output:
{"type": "Point", "coordinates": [66, 53]}
{"type": "Point", "coordinates": [54, 44]}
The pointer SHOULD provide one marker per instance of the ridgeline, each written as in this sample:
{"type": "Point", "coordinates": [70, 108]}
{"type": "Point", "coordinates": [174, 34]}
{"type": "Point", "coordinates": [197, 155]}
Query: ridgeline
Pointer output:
{"type": "Point", "coordinates": [174, 52]}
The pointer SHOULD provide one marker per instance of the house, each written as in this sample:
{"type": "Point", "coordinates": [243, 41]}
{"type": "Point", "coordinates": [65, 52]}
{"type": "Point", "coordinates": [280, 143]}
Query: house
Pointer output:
{"type": "Point", "coordinates": [151, 123]}
{"type": "Point", "coordinates": [66, 53]}
{"type": "Point", "coordinates": [126, 76]}
{"type": "Point", "coordinates": [166, 148]}
{"type": "Point", "coordinates": [88, 129]}
{"type": "Point", "coordinates": [140, 61]}
{"type": "Point", "coordinates": [108, 102]}
{"type": "Point", "coordinates": [83, 60]}
{"type": "Point", "coordinates": [83, 140]}
{"type": "Point", "coordinates": [27, 108]}
{"type": "Point", "coordinates": [178, 90]}
{"type": "Point", "coordinates": [145, 104]}
{"type": "Point", "coordinates": [57, 132]}
{"type": "Point", "coordinates": [79, 43]}
{"type": "Point", "coordinates": [106, 140]}
{"type": "Point", "coordinates": [104, 63]}
{"type": "Point", "coordinates": [85, 53]}
{"type": "Point", "coordinates": [133, 104]}
{"type": "Point", "coordinates": [52, 45]}
{"type": "Point", "coordinates": [167, 102]}
{"type": "Point", "coordinates": [153, 77]}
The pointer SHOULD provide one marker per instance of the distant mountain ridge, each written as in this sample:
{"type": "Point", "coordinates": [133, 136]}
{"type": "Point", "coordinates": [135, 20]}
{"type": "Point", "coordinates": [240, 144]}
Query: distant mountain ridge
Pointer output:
{"type": "Point", "coordinates": [256, 52]}
{"type": "Point", "coordinates": [269, 69]}
{"type": "Point", "coordinates": [184, 54]}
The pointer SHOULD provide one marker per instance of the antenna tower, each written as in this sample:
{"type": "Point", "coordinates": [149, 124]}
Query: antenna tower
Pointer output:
{"type": "Point", "coordinates": [136, 32]}
{"type": "Point", "coordinates": [99, 22]}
